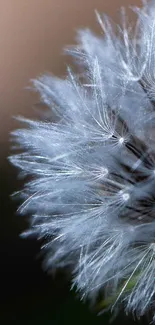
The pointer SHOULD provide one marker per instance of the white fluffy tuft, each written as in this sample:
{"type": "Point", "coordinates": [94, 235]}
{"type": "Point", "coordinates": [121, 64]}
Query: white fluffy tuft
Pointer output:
{"type": "Point", "coordinates": [92, 164]}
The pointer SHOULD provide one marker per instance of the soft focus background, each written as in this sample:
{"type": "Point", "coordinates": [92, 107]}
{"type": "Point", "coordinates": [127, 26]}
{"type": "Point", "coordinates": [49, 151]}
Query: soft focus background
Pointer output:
{"type": "Point", "coordinates": [32, 36]}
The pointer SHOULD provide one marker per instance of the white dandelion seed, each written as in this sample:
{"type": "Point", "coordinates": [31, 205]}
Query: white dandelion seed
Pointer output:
{"type": "Point", "coordinates": [92, 162]}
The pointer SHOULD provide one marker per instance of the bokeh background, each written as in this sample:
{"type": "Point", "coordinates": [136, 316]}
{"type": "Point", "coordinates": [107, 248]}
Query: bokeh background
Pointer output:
{"type": "Point", "coordinates": [32, 36]}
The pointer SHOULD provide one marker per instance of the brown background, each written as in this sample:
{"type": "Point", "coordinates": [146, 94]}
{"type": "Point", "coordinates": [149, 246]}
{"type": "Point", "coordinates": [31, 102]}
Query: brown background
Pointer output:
{"type": "Point", "coordinates": [32, 36]}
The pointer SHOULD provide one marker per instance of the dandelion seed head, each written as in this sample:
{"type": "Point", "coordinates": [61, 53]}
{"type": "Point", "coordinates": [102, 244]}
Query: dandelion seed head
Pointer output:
{"type": "Point", "coordinates": [90, 165]}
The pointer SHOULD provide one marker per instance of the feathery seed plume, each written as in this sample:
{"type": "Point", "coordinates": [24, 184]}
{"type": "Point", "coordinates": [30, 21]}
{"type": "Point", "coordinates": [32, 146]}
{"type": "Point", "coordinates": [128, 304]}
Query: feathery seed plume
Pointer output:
{"type": "Point", "coordinates": [91, 190]}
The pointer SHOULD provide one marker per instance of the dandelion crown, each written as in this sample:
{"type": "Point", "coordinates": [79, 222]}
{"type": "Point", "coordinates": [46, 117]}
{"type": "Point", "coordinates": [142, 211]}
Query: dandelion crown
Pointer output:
{"type": "Point", "coordinates": [91, 164]}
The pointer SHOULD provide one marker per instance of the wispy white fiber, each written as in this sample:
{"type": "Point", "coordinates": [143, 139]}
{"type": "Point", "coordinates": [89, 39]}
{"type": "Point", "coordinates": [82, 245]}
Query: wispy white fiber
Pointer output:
{"type": "Point", "coordinates": [91, 164]}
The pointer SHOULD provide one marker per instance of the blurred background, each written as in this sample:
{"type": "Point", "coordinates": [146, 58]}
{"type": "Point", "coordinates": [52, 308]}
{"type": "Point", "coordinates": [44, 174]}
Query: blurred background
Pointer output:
{"type": "Point", "coordinates": [32, 36]}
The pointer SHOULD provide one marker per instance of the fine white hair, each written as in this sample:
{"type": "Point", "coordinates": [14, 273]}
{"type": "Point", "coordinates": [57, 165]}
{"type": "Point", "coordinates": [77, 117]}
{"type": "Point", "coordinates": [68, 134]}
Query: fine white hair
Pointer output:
{"type": "Point", "coordinates": [90, 164]}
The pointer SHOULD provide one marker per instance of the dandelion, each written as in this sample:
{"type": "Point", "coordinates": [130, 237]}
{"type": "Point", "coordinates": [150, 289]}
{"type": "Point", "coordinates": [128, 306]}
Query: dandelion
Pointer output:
{"type": "Point", "coordinates": [91, 165]}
